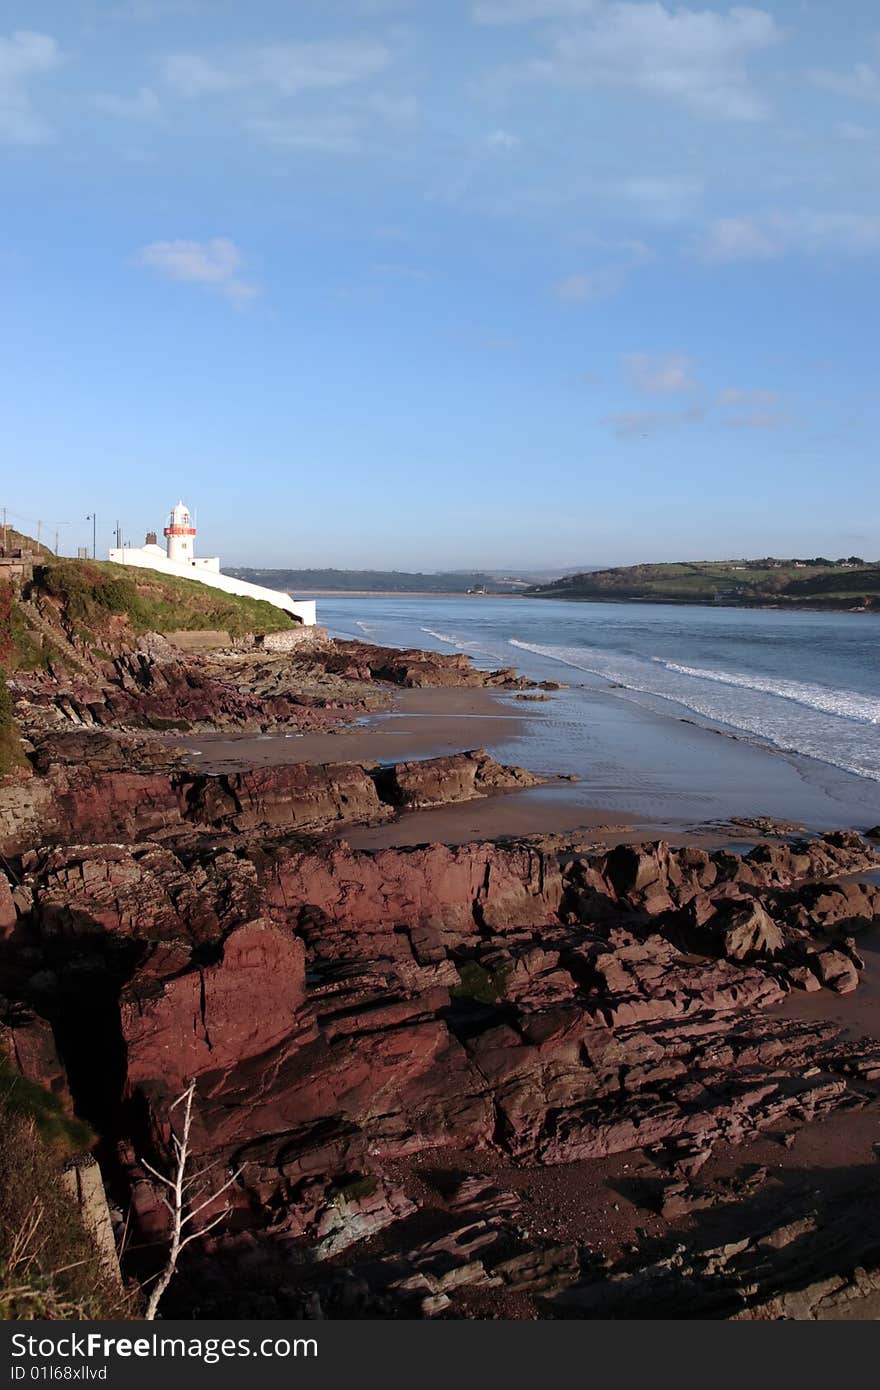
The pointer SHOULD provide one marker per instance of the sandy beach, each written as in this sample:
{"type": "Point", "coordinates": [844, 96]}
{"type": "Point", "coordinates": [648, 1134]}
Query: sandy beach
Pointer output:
{"type": "Point", "coordinates": [638, 774]}
{"type": "Point", "coordinates": [423, 724]}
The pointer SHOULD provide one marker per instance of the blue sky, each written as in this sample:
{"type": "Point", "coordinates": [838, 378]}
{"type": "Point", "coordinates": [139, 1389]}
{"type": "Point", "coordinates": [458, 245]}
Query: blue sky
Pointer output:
{"type": "Point", "coordinates": [402, 283]}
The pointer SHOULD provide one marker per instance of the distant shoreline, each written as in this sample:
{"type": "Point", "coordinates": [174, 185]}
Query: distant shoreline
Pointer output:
{"type": "Point", "coordinates": [586, 598]}
{"type": "Point", "coordinates": [775, 607]}
{"type": "Point", "coordinates": [392, 593]}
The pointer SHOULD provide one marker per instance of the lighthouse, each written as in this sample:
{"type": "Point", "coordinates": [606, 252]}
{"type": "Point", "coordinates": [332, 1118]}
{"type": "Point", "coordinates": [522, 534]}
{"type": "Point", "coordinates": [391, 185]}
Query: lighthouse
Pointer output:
{"type": "Point", "coordinates": [179, 559]}
{"type": "Point", "coordinates": [180, 535]}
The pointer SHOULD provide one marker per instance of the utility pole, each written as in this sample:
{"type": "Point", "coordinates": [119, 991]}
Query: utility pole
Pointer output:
{"type": "Point", "coordinates": [4, 528]}
{"type": "Point", "coordinates": [94, 520]}
{"type": "Point", "coordinates": [57, 535]}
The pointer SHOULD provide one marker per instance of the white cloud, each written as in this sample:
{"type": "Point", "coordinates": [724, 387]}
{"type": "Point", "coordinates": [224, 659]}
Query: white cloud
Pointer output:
{"type": "Point", "coordinates": [809, 231]}
{"type": "Point", "coordinates": [738, 239]}
{"type": "Point", "coordinates": [317, 96]}
{"type": "Point", "coordinates": [587, 288]}
{"type": "Point", "coordinates": [215, 264]}
{"type": "Point", "coordinates": [331, 133]}
{"type": "Point", "coordinates": [501, 140]}
{"type": "Point", "coordinates": [751, 408]}
{"type": "Point", "coordinates": [145, 11]}
{"type": "Point", "coordinates": [637, 251]}
{"type": "Point", "coordinates": [660, 198]}
{"type": "Point", "coordinates": [394, 270]}
{"type": "Point", "coordinates": [757, 420]}
{"type": "Point", "coordinates": [696, 58]}
{"type": "Point", "coordinates": [632, 424]}
{"type": "Point", "coordinates": [289, 69]}
{"type": "Point", "coordinates": [25, 55]}
{"type": "Point", "coordinates": [521, 11]}
{"type": "Point", "coordinates": [861, 83]}
{"type": "Point", "coordinates": [659, 374]}
{"type": "Point", "coordinates": [858, 134]}
{"type": "Point", "coordinates": [737, 395]}
{"type": "Point", "coordinates": [143, 105]}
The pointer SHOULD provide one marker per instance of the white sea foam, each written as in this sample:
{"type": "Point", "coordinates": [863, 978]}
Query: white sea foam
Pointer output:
{"type": "Point", "coordinates": [829, 724]}
{"type": "Point", "coordinates": [451, 640]}
{"type": "Point", "coordinates": [846, 704]}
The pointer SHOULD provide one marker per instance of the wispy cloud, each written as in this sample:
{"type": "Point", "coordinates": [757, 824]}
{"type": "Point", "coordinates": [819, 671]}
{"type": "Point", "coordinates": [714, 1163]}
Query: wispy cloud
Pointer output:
{"type": "Point", "coordinates": [394, 270]}
{"type": "Point", "coordinates": [657, 197]}
{"type": "Point", "coordinates": [808, 231]}
{"type": "Point", "coordinates": [659, 374]}
{"type": "Point", "coordinates": [751, 396]}
{"type": "Point", "coordinates": [751, 408]}
{"type": "Point", "coordinates": [142, 105]}
{"type": "Point", "coordinates": [215, 264]}
{"type": "Point", "coordinates": [146, 11]}
{"type": "Point", "coordinates": [324, 132]}
{"type": "Point", "coordinates": [25, 56]}
{"type": "Point", "coordinates": [858, 134]}
{"type": "Point", "coordinates": [521, 11]}
{"type": "Point", "coordinates": [289, 69]}
{"type": "Point", "coordinates": [320, 96]}
{"type": "Point", "coordinates": [860, 83]}
{"type": "Point", "coordinates": [645, 424]}
{"type": "Point", "coordinates": [587, 287]}
{"type": "Point", "coordinates": [501, 140]}
{"type": "Point", "coordinates": [695, 58]}
{"type": "Point", "coordinates": [671, 374]}
{"type": "Point", "coordinates": [756, 420]}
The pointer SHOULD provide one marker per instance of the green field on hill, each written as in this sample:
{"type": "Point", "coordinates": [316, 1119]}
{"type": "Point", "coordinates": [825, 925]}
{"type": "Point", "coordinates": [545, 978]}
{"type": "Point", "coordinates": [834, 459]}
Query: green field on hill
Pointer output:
{"type": "Point", "coordinates": [818, 583]}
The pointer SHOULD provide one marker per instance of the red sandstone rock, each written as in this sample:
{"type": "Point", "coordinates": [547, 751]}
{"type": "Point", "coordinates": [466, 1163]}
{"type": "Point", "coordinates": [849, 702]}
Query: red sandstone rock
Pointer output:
{"type": "Point", "coordinates": [490, 996]}
{"type": "Point", "coordinates": [214, 1017]}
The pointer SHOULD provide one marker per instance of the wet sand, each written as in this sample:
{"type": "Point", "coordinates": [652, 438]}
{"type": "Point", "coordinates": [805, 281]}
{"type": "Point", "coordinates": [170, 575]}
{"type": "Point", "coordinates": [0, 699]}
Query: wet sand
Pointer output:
{"type": "Point", "coordinates": [674, 780]}
{"type": "Point", "coordinates": [423, 724]}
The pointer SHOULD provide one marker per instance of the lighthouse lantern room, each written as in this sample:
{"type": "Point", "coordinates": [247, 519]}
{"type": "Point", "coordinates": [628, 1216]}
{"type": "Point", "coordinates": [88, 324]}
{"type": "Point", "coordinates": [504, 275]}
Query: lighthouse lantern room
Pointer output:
{"type": "Point", "coordinates": [180, 535]}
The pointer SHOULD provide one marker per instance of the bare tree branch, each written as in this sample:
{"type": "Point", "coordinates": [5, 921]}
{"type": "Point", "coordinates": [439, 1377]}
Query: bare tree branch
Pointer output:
{"type": "Point", "coordinates": [179, 1186]}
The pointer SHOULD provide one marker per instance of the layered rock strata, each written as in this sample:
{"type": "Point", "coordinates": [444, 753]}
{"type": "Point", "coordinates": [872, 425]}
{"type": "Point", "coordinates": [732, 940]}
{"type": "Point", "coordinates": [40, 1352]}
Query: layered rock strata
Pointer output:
{"type": "Point", "coordinates": [347, 1015]}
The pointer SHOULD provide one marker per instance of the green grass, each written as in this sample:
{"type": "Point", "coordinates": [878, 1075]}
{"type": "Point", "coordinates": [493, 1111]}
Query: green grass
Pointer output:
{"type": "Point", "coordinates": [91, 593]}
{"type": "Point", "coordinates": [11, 755]}
{"type": "Point", "coordinates": [478, 983]}
{"type": "Point", "coordinates": [355, 1190]}
{"type": "Point", "coordinates": [49, 1267]}
{"type": "Point", "coordinates": [103, 606]}
{"type": "Point", "coordinates": [746, 582]}
{"type": "Point", "coordinates": [27, 1100]}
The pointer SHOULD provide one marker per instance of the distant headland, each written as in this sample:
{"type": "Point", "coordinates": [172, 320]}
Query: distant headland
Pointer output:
{"type": "Point", "coordinates": [848, 584]}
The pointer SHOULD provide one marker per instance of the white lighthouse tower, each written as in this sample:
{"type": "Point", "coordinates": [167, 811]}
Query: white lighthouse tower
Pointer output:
{"type": "Point", "coordinates": [180, 535]}
{"type": "Point", "coordinates": [179, 559]}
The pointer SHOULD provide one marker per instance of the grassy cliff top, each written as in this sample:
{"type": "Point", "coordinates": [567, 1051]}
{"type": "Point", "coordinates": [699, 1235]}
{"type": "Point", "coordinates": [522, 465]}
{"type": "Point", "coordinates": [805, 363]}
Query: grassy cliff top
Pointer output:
{"type": "Point", "coordinates": [90, 591]}
{"type": "Point", "coordinates": [788, 583]}
{"type": "Point", "coordinates": [107, 606]}
{"type": "Point", "coordinates": [79, 610]}
{"type": "Point", "coordinates": [17, 540]}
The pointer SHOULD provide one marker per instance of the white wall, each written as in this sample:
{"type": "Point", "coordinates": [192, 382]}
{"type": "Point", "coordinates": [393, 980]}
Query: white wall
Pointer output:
{"type": "Point", "coordinates": [153, 558]}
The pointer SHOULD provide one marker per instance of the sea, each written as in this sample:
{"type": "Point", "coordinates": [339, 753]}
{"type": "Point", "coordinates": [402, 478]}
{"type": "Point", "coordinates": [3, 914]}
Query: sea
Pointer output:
{"type": "Point", "coordinates": [688, 712]}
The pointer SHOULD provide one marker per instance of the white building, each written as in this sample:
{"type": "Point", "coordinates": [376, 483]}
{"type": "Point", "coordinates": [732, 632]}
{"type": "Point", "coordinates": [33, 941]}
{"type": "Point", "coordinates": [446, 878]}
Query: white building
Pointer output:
{"type": "Point", "coordinates": [179, 558]}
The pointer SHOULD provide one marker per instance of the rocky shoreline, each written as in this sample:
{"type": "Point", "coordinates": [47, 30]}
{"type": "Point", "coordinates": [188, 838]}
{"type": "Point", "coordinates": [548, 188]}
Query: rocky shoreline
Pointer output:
{"type": "Point", "coordinates": [428, 1079]}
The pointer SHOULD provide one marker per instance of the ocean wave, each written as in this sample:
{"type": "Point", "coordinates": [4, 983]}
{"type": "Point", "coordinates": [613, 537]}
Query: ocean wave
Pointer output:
{"type": "Point", "coordinates": [845, 704]}
{"type": "Point", "coordinates": [451, 640]}
{"type": "Point", "coordinates": [832, 731]}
